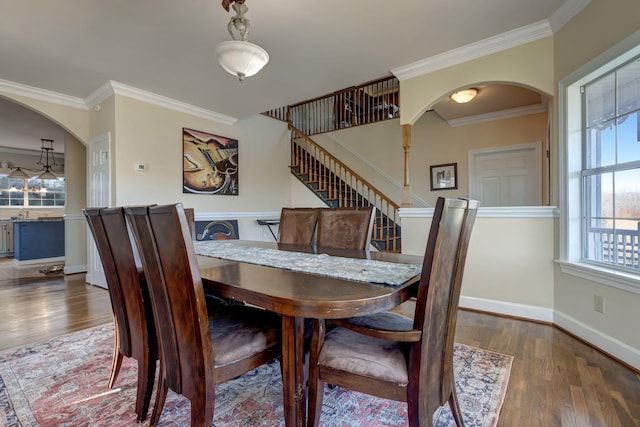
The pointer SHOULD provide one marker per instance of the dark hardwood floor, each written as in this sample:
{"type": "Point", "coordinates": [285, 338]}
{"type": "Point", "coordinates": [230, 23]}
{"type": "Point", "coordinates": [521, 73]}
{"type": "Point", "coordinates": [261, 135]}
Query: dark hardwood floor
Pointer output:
{"type": "Point", "coordinates": [556, 380]}
{"type": "Point", "coordinates": [35, 306]}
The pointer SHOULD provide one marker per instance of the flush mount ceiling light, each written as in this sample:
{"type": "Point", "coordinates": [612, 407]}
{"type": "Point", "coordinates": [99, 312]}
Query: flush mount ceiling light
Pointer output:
{"type": "Point", "coordinates": [464, 96]}
{"type": "Point", "coordinates": [239, 57]}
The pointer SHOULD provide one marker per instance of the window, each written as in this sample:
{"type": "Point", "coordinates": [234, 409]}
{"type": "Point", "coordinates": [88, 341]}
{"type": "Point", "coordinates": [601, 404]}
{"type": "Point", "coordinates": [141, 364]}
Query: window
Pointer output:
{"type": "Point", "coordinates": [599, 168]}
{"type": "Point", "coordinates": [31, 192]}
{"type": "Point", "coordinates": [611, 168]}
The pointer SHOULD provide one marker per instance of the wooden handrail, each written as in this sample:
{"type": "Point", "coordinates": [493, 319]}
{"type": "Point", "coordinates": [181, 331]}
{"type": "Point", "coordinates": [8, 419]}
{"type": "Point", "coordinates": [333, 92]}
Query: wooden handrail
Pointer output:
{"type": "Point", "coordinates": [332, 180]}
{"type": "Point", "coordinates": [345, 167]}
{"type": "Point", "coordinates": [343, 187]}
{"type": "Point", "coordinates": [367, 103]}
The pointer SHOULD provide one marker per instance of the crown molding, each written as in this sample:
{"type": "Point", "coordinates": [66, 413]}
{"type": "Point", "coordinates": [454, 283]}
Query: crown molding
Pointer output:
{"type": "Point", "coordinates": [113, 87]}
{"type": "Point", "coordinates": [107, 90]}
{"type": "Point", "coordinates": [498, 115]}
{"type": "Point", "coordinates": [41, 94]}
{"type": "Point", "coordinates": [566, 12]}
{"type": "Point", "coordinates": [514, 38]}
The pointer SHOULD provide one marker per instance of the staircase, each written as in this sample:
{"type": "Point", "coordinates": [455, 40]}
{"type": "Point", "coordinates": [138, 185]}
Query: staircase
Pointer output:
{"type": "Point", "coordinates": [331, 180]}
{"type": "Point", "coordinates": [338, 186]}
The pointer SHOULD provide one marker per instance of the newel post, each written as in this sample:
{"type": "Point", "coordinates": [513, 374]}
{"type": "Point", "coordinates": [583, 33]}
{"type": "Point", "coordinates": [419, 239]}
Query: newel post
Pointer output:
{"type": "Point", "coordinates": [406, 146]}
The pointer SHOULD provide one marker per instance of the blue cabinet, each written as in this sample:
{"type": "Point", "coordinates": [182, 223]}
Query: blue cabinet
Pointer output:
{"type": "Point", "coordinates": [38, 239]}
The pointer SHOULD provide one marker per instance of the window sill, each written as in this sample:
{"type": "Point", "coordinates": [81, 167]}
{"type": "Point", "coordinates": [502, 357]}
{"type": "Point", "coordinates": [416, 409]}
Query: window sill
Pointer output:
{"type": "Point", "coordinates": [618, 279]}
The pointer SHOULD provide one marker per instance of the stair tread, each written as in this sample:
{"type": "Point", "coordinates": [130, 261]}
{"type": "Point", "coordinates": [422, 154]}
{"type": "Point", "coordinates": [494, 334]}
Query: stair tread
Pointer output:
{"type": "Point", "coordinates": [337, 193]}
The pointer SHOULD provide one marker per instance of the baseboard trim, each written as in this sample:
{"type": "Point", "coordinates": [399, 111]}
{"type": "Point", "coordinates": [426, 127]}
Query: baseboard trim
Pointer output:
{"type": "Point", "coordinates": [523, 311]}
{"type": "Point", "coordinates": [38, 261]}
{"type": "Point", "coordinates": [617, 350]}
{"type": "Point", "coordinates": [610, 346]}
{"type": "Point", "coordinates": [75, 269]}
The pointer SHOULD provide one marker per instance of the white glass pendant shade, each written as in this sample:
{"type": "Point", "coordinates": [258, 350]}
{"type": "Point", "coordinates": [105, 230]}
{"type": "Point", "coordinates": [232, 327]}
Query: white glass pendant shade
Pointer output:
{"type": "Point", "coordinates": [18, 173]}
{"type": "Point", "coordinates": [47, 174]}
{"type": "Point", "coordinates": [241, 58]}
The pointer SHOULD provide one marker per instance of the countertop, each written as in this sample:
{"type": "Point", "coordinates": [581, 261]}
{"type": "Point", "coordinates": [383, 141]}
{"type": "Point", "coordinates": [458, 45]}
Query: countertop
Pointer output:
{"type": "Point", "coordinates": [42, 219]}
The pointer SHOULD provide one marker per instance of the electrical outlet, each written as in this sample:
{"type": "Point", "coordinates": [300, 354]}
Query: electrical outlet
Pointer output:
{"type": "Point", "coordinates": [598, 303]}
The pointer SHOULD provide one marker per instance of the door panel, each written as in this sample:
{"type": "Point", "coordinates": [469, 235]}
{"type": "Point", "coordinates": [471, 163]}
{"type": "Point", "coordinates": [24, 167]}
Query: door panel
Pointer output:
{"type": "Point", "coordinates": [506, 176]}
{"type": "Point", "coordinates": [99, 196]}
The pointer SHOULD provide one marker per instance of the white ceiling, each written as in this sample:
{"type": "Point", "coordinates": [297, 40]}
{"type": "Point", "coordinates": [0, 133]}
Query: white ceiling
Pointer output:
{"type": "Point", "coordinates": [73, 47]}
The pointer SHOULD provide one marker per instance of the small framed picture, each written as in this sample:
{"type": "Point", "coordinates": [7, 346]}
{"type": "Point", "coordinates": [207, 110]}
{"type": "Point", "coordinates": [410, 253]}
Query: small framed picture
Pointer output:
{"type": "Point", "coordinates": [444, 177]}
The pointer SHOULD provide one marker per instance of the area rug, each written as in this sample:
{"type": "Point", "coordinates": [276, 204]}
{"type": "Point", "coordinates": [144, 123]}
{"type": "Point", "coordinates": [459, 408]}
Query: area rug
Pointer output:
{"type": "Point", "coordinates": [62, 382]}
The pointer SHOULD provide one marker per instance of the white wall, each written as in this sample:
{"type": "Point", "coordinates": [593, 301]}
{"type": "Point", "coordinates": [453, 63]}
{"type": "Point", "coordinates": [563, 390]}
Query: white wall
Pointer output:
{"type": "Point", "coordinates": [152, 135]}
{"type": "Point", "coordinates": [615, 330]}
{"type": "Point", "coordinates": [530, 65]}
{"type": "Point", "coordinates": [75, 226]}
{"type": "Point", "coordinates": [509, 266]}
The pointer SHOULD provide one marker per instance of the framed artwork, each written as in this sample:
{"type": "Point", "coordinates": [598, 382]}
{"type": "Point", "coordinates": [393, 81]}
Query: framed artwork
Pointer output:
{"type": "Point", "coordinates": [209, 163]}
{"type": "Point", "coordinates": [217, 230]}
{"type": "Point", "coordinates": [444, 177]}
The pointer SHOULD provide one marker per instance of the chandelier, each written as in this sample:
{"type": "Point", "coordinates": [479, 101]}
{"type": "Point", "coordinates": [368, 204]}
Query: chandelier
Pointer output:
{"type": "Point", "coordinates": [239, 57]}
{"type": "Point", "coordinates": [47, 161]}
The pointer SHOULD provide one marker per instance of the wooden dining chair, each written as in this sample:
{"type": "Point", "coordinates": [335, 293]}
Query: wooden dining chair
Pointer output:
{"type": "Point", "coordinates": [298, 226]}
{"type": "Point", "coordinates": [190, 213]}
{"type": "Point", "coordinates": [392, 356]}
{"type": "Point", "coordinates": [200, 344]}
{"type": "Point", "coordinates": [135, 334]}
{"type": "Point", "coordinates": [345, 228]}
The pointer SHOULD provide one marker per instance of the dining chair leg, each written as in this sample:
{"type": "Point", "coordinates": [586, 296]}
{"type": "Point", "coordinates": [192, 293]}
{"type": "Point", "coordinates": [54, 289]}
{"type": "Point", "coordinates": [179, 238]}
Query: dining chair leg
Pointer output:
{"type": "Point", "coordinates": [146, 379]}
{"type": "Point", "coordinates": [316, 386]}
{"type": "Point", "coordinates": [455, 408]}
{"type": "Point", "coordinates": [116, 361]}
{"type": "Point", "coordinates": [202, 407]}
{"type": "Point", "coordinates": [161, 397]}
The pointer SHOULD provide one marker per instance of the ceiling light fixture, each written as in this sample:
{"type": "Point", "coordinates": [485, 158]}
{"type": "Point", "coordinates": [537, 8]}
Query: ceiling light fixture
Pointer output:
{"type": "Point", "coordinates": [47, 174]}
{"type": "Point", "coordinates": [464, 96]}
{"type": "Point", "coordinates": [46, 154]}
{"type": "Point", "coordinates": [239, 57]}
{"type": "Point", "coordinates": [18, 173]}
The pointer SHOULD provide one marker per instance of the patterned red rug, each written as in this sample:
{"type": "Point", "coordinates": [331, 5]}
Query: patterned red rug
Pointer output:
{"type": "Point", "coordinates": [62, 382]}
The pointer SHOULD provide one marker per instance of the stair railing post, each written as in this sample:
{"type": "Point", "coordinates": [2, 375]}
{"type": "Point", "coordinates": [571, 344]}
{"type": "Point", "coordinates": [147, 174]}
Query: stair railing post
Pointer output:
{"type": "Point", "coordinates": [406, 146]}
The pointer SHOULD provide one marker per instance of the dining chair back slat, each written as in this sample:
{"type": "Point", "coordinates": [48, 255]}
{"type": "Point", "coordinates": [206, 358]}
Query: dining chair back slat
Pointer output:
{"type": "Point", "coordinates": [437, 305]}
{"type": "Point", "coordinates": [414, 363]}
{"type": "Point", "coordinates": [345, 228]}
{"type": "Point", "coordinates": [134, 325]}
{"type": "Point", "coordinates": [138, 218]}
{"type": "Point", "coordinates": [203, 341]}
{"type": "Point", "coordinates": [298, 226]}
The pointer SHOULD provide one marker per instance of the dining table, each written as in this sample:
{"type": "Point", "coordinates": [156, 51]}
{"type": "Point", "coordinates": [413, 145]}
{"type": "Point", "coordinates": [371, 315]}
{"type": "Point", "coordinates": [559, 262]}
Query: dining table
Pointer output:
{"type": "Point", "coordinates": [305, 282]}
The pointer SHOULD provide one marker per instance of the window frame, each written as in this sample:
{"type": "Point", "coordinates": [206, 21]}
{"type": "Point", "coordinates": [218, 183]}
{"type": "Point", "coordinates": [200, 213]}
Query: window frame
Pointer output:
{"type": "Point", "coordinates": [570, 157]}
{"type": "Point", "coordinates": [28, 195]}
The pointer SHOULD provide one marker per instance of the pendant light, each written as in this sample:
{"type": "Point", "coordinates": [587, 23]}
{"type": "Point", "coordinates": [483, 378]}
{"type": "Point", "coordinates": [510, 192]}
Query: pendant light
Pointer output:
{"type": "Point", "coordinates": [239, 57]}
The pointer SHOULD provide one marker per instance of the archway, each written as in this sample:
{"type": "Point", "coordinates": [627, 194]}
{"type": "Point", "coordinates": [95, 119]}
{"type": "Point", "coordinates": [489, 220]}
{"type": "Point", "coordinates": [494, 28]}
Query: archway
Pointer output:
{"type": "Point", "coordinates": [503, 114]}
{"type": "Point", "coordinates": [28, 119]}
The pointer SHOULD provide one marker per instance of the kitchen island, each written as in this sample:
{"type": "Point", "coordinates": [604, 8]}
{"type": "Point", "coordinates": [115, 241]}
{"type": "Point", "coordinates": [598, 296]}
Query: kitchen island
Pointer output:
{"type": "Point", "coordinates": [38, 240]}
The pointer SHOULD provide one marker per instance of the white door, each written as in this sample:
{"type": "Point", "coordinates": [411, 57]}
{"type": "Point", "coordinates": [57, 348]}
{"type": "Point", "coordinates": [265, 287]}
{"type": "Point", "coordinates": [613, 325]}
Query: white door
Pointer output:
{"type": "Point", "coordinates": [506, 176]}
{"type": "Point", "coordinates": [99, 195]}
